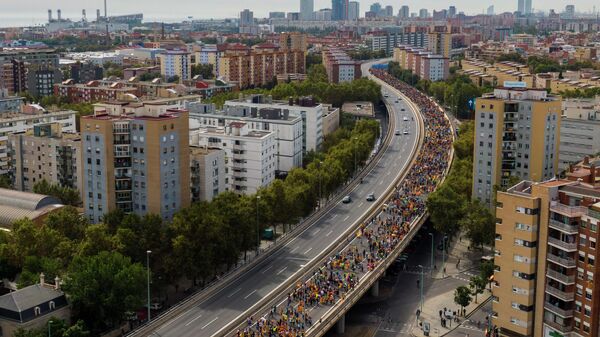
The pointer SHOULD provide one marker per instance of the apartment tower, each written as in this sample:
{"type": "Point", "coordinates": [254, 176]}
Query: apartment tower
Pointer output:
{"type": "Point", "coordinates": [517, 133]}
{"type": "Point", "coordinates": [136, 160]}
{"type": "Point", "coordinates": [546, 248]}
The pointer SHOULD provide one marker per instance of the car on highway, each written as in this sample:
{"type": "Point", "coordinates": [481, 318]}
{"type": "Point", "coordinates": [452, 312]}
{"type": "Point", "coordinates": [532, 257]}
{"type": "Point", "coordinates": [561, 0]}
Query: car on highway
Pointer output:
{"type": "Point", "coordinates": [347, 199]}
{"type": "Point", "coordinates": [405, 132]}
{"type": "Point", "coordinates": [371, 197]}
{"type": "Point", "coordinates": [405, 119]}
{"type": "Point", "coordinates": [398, 133]}
{"type": "Point", "coordinates": [402, 109]}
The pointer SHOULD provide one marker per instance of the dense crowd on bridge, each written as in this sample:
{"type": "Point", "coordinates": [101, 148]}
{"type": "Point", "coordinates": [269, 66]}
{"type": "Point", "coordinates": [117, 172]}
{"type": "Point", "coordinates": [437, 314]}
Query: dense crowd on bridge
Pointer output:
{"type": "Point", "coordinates": [376, 239]}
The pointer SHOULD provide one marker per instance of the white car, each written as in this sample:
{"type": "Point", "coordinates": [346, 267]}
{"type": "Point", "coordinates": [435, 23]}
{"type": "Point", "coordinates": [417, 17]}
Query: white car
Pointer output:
{"type": "Point", "coordinates": [405, 132]}
{"type": "Point", "coordinates": [405, 119]}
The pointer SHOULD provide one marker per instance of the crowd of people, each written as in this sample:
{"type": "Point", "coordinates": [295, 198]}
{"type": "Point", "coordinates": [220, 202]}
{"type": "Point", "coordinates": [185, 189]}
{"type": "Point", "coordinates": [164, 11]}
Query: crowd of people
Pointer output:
{"type": "Point", "coordinates": [375, 239]}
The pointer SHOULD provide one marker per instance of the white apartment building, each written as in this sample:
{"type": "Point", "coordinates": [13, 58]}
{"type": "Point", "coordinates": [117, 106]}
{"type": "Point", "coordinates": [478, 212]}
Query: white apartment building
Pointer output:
{"type": "Point", "coordinates": [305, 107]}
{"type": "Point", "coordinates": [250, 159]}
{"type": "Point", "coordinates": [287, 128]}
{"type": "Point", "coordinates": [11, 123]}
{"type": "Point", "coordinates": [579, 131]}
{"type": "Point", "coordinates": [207, 173]}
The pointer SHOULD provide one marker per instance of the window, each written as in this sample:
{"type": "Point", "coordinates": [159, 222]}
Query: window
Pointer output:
{"type": "Point", "coordinates": [52, 305]}
{"type": "Point", "coordinates": [37, 311]}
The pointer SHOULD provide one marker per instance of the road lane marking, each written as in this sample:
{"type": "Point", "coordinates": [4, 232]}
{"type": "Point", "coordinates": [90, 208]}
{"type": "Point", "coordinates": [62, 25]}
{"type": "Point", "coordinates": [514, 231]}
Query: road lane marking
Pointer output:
{"type": "Point", "coordinates": [250, 294]}
{"type": "Point", "coordinates": [334, 216]}
{"type": "Point", "coordinates": [308, 250]}
{"type": "Point", "coordinates": [192, 321]}
{"type": "Point", "coordinates": [329, 233]}
{"type": "Point", "coordinates": [381, 182]}
{"type": "Point", "coordinates": [293, 250]}
{"type": "Point", "coordinates": [346, 218]}
{"type": "Point", "coordinates": [282, 270]}
{"type": "Point", "coordinates": [266, 269]}
{"type": "Point", "coordinates": [235, 292]}
{"type": "Point", "coordinates": [361, 205]}
{"type": "Point", "coordinates": [317, 231]}
{"type": "Point", "coordinates": [209, 323]}
{"type": "Point", "coordinates": [290, 243]}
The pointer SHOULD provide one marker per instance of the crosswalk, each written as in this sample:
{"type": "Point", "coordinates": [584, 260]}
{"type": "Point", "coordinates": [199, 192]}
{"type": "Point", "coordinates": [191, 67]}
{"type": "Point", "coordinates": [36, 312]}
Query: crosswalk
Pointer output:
{"type": "Point", "coordinates": [395, 327]}
{"type": "Point", "coordinates": [472, 326]}
{"type": "Point", "coordinates": [464, 276]}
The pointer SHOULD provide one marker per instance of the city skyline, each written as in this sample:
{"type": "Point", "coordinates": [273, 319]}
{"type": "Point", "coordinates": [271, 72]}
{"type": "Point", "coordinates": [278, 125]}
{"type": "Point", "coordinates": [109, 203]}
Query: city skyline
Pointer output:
{"type": "Point", "coordinates": [21, 13]}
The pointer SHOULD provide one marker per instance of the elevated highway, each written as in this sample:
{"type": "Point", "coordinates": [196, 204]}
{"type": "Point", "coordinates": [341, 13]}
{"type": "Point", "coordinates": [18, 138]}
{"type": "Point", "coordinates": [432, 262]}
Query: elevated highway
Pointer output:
{"type": "Point", "coordinates": [220, 309]}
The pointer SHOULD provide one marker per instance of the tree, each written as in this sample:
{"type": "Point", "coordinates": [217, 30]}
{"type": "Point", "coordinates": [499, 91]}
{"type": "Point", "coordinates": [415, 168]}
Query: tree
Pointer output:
{"type": "Point", "coordinates": [479, 224]}
{"type": "Point", "coordinates": [173, 79]}
{"type": "Point", "coordinates": [69, 222]}
{"type": "Point", "coordinates": [67, 196]}
{"type": "Point", "coordinates": [477, 285]}
{"type": "Point", "coordinates": [446, 208]}
{"type": "Point", "coordinates": [204, 70]}
{"type": "Point", "coordinates": [5, 181]}
{"type": "Point", "coordinates": [462, 296]}
{"type": "Point", "coordinates": [103, 287]}
{"type": "Point", "coordinates": [486, 270]}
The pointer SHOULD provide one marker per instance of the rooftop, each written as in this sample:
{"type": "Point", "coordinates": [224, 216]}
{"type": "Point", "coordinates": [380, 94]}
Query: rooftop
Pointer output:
{"type": "Point", "coordinates": [28, 297]}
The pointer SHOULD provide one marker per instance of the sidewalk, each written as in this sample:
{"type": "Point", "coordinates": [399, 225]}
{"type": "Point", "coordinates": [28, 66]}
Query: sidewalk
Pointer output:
{"type": "Point", "coordinates": [469, 261]}
{"type": "Point", "coordinates": [458, 252]}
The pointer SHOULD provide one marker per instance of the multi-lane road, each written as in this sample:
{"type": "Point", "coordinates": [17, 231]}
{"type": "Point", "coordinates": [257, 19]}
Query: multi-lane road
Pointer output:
{"type": "Point", "coordinates": [212, 315]}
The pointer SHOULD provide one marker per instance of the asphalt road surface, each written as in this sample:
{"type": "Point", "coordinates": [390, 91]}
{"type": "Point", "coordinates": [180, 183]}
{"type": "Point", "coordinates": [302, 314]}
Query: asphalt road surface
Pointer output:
{"type": "Point", "coordinates": [210, 316]}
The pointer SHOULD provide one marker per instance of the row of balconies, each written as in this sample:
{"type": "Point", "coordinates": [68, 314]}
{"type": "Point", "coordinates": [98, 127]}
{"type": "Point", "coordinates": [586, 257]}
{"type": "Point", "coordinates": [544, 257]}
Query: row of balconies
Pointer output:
{"type": "Point", "coordinates": [563, 227]}
{"type": "Point", "coordinates": [566, 262]}
{"type": "Point", "coordinates": [569, 211]}
{"type": "Point", "coordinates": [571, 247]}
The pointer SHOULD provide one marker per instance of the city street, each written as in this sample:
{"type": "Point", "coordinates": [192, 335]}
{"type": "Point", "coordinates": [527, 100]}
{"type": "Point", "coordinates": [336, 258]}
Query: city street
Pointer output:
{"type": "Point", "coordinates": [393, 313]}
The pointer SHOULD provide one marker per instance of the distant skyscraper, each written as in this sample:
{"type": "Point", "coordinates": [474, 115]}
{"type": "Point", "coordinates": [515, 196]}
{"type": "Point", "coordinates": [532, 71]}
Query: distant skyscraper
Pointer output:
{"type": "Point", "coordinates": [246, 18]}
{"type": "Point", "coordinates": [423, 13]}
{"type": "Point", "coordinates": [521, 6]}
{"type": "Point", "coordinates": [376, 8]}
{"type": "Point", "coordinates": [570, 11]}
{"type": "Point", "coordinates": [452, 11]}
{"type": "Point", "coordinates": [353, 10]}
{"type": "Point", "coordinates": [339, 10]}
{"type": "Point", "coordinates": [404, 12]}
{"type": "Point", "coordinates": [528, 7]}
{"type": "Point", "coordinates": [389, 11]}
{"type": "Point", "coordinates": [307, 9]}
{"type": "Point", "coordinates": [490, 10]}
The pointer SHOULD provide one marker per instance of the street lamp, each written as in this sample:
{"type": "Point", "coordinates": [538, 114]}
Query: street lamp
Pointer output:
{"type": "Point", "coordinates": [320, 182]}
{"type": "Point", "coordinates": [49, 328]}
{"type": "Point", "coordinates": [444, 255]}
{"type": "Point", "coordinates": [421, 288]}
{"type": "Point", "coordinates": [355, 139]}
{"type": "Point", "coordinates": [257, 227]}
{"type": "Point", "coordinates": [148, 252]}
{"type": "Point", "coordinates": [432, 253]}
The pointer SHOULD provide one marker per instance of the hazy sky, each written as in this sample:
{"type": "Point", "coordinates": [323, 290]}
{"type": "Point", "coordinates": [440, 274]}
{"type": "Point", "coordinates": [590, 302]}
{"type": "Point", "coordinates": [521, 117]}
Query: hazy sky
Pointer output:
{"type": "Point", "coordinates": [28, 11]}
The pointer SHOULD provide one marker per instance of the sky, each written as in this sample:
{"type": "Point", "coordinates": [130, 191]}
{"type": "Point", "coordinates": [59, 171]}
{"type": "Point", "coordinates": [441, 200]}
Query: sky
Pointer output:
{"type": "Point", "coordinates": [25, 12]}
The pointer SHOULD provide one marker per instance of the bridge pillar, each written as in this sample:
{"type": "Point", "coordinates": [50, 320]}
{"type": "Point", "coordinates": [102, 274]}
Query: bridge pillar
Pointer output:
{"type": "Point", "coordinates": [340, 326]}
{"type": "Point", "coordinates": [375, 289]}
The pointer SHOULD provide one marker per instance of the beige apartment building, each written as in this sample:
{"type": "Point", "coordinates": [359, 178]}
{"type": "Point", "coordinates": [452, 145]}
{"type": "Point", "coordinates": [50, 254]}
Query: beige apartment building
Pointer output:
{"type": "Point", "coordinates": [546, 247]}
{"type": "Point", "coordinates": [45, 153]}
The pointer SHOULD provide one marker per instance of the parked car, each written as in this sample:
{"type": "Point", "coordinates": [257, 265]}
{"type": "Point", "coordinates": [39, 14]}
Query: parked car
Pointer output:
{"type": "Point", "coordinates": [371, 197]}
{"type": "Point", "coordinates": [405, 118]}
{"type": "Point", "coordinates": [398, 133]}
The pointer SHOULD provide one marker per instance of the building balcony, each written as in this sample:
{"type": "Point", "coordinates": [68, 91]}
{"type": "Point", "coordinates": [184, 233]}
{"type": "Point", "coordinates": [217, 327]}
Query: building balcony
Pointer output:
{"type": "Point", "coordinates": [569, 211]}
{"type": "Point", "coordinates": [563, 295]}
{"type": "Point", "coordinates": [558, 311]}
{"type": "Point", "coordinates": [563, 227]}
{"type": "Point", "coordinates": [559, 327]}
{"type": "Point", "coordinates": [560, 277]}
{"type": "Point", "coordinates": [565, 262]}
{"type": "Point", "coordinates": [570, 247]}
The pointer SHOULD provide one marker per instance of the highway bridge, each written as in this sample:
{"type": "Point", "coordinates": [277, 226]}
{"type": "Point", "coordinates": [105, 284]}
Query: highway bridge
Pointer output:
{"type": "Point", "coordinates": [222, 309]}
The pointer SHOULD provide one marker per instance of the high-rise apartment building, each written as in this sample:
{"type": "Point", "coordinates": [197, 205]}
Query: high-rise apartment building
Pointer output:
{"type": "Point", "coordinates": [353, 10]}
{"type": "Point", "coordinates": [388, 11]}
{"type": "Point", "coordinates": [546, 246]}
{"type": "Point", "coordinates": [136, 159]}
{"type": "Point", "coordinates": [9, 103]}
{"type": "Point", "coordinates": [176, 63]}
{"type": "Point", "coordinates": [376, 8]}
{"type": "Point", "coordinates": [34, 70]}
{"type": "Point", "coordinates": [247, 24]}
{"type": "Point", "coordinates": [579, 130]}
{"type": "Point", "coordinates": [339, 10]}
{"type": "Point", "coordinates": [13, 76]}
{"type": "Point", "coordinates": [528, 7]}
{"type": "Point", "coordinates": [517, 133]}
{"type": "Point", "coordinates": [439, 40]}
{"type": "Point", "coordinates": [307, 10]}
{"type": "Point", "coordinates": [293, 41]}
{"type": "Point", "coordinates": [451, 11]}
{"type": "Point", "coordinates": [423, 13]}
{"type": "Point", "coordinates": [490, 10]}
{"type": "Point", "coordinates": [570, 11]}
{"type": "Point", "coordinates": [45, 153]}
